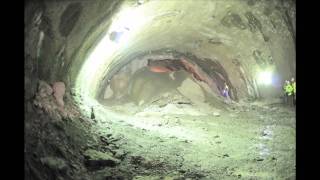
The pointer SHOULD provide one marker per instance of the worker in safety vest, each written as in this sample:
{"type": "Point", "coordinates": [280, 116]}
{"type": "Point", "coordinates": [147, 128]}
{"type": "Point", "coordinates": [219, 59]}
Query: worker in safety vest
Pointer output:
{"type": "Point", "coordinates": [293, 84]}
{"type": "Point", "coordinates": [288, 89]}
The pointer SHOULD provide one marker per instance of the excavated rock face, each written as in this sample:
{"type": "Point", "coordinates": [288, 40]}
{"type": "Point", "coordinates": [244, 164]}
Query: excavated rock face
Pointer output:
{"type": "Point", "coordinates": [197, 44]}
{"type": "Point", "coordinates": [156, 70]}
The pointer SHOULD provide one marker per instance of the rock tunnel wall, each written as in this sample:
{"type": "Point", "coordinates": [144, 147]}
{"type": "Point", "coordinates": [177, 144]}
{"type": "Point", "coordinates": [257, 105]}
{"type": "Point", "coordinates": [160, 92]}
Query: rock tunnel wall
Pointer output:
{"type": "Point", "coordinates": [241, 36]}
{"type": "Point", "coordinates": [57, 33]}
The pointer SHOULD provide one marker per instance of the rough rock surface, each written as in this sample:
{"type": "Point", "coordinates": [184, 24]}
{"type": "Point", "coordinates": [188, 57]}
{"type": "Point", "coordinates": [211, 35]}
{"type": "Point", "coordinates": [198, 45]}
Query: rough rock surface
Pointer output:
{"type": "Point", "coordinates": [54, 163]}
{"type": "Point", "coordinates": [44, 89]}
{"type": "Point", "coordinates": [192, 91]}
{"type": "Point", "coordinates": [59, 89]}
{"type": "Point", "coordinates": [97, 159]}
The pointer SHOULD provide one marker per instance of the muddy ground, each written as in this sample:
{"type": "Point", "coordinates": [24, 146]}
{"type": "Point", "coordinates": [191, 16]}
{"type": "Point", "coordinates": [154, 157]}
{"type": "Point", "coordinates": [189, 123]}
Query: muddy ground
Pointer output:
{"type": "Point", "coordinates": [169, 138]}
{"type": "Point", "coordinates": [249, 141]}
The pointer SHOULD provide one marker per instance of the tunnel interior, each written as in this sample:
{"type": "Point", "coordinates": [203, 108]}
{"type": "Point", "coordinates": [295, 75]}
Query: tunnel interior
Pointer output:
{"type": "Point", "coordinates": [134, 89]}
{"type": "Point", "coordinates": [164, 75]}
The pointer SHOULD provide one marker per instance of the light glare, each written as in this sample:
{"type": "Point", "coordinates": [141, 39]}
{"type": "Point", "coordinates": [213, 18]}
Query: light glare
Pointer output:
{"type": "Point", "coordinates": [265, 78]}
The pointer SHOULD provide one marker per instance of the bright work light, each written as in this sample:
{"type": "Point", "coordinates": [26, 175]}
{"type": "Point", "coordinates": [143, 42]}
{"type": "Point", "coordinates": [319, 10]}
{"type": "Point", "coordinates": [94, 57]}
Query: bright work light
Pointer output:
{"type": "Point", "coordinates": [265, 77]}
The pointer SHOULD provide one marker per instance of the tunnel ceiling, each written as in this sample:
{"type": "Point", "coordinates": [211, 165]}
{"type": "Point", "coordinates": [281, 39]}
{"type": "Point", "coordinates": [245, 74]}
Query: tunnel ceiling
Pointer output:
{"type": "Point", "coordinates": [71, 41]}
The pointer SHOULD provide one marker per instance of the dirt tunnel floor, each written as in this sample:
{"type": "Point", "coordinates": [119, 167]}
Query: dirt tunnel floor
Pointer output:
{"type": "Point", "coordinates": [249, 141]}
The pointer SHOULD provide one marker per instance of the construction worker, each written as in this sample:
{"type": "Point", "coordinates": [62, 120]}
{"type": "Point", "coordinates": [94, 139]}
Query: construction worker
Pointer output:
{"type": "Point", "coordinates": [288, 89]}
{"type": "Point", "coordinates": [293, 84]}
{"type": "Point", "coordinates": [225, 93]}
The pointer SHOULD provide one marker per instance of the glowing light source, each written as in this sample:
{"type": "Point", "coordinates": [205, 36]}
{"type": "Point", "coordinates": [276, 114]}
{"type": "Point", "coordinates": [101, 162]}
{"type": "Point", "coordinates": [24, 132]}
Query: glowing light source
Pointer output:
{"type": "Point", "coordinates": [265, 77]}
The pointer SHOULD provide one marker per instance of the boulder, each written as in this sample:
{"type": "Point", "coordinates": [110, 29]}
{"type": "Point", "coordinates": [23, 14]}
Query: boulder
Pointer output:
{"type": "Point", "coordinates": [96, 160]}
{"type": "Point", "coordinates": [54, 163]}
{"type": "Point", "coordinates": [59, 89]}
{"type": "Point", "coordinates": [43, 98]}
{"type": "Point", "coordinates": [44, 89]}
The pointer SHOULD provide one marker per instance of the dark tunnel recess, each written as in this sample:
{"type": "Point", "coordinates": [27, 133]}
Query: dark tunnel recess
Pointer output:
{"type": "Point", "coordinates": [147, 77]}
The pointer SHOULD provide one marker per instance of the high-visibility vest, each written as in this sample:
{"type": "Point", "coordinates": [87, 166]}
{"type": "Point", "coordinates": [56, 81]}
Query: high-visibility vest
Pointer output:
{"type": "Point", "coordinates": [288, 89]}
{"type": "Point", "coordinates": [294, 87]}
